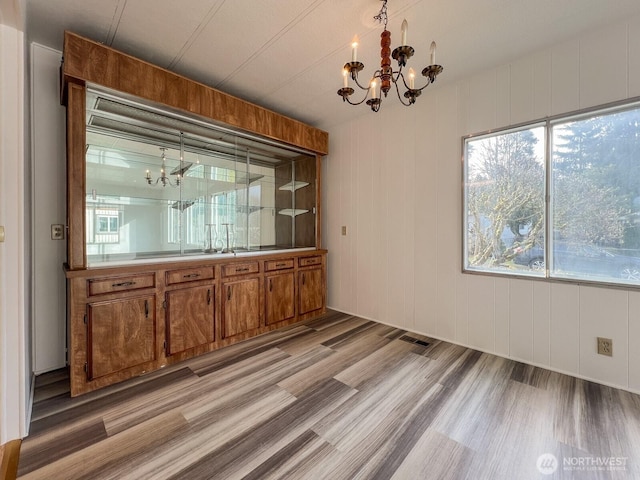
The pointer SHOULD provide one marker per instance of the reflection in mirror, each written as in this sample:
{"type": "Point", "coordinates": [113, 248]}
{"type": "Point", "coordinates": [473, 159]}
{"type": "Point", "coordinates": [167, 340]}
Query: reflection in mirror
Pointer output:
{"type": "Point", "coordinates": [164, 185]}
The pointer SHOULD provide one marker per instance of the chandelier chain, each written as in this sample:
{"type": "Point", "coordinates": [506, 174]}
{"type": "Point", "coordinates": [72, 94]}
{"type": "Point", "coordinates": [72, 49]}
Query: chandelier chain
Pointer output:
{"type": "Point", "coordinates": [382, 14]}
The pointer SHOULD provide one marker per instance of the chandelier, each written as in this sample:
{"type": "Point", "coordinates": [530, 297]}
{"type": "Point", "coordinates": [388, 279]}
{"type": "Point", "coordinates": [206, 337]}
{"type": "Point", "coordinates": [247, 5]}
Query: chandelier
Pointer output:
{"type": "Point", "coordinates": [383, 78]}
{"type": "Point", "coordinates": [163, 179]}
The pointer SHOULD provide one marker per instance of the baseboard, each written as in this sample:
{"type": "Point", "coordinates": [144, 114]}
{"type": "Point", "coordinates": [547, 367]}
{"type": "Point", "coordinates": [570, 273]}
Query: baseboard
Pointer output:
{"type": "Point", "coordinates": [9, 456]}
{"type": "Point", "coordinates": [32, 393]}
{"type": "Point", "coordinates": [626, 388]}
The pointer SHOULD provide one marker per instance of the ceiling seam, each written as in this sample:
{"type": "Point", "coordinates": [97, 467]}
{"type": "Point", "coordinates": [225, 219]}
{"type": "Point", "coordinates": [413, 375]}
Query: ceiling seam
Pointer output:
{"type": "Point", "coordinates": [196, 33]}
{"type": "Point", "coordinates": [115, 22]}
{"type": "Point", "coordinates": [273, 40]}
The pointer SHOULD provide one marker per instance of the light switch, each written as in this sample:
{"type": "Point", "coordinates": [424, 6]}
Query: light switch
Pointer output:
{"type": "Point", "coordinates": [2, 234]}
{"type": "Point", "coordinates": [344, 230]}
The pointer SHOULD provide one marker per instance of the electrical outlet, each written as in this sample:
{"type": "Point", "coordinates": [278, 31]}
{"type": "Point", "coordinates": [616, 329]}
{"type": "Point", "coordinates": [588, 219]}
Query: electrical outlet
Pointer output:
{"type": "Point", "coordinates": [57, 232]}
{"type": "Point", "coordinates": [605, 346]}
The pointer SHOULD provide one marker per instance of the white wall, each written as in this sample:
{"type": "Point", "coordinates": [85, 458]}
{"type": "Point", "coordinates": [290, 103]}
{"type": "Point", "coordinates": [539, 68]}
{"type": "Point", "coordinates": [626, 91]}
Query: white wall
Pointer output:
{"type": "Point", "coordinates": [49, 207]}
{"type": "Point", "coordinates": [14, 345]}
{"type": "Point", "coordinates": [394, 179]}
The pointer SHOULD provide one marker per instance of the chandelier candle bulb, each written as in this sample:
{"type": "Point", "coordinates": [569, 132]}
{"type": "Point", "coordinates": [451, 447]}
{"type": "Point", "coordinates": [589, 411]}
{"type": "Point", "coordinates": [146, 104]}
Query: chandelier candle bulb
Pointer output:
{"type": "Point", "coordinates": [403, 29]}
{"type": "Point", "coordinates": [373, 89]}
{"type": "Point", "coordinates": [433, 53]}
{"type": "Point", "coordinates": [354, 49]}
{"type": "Point", "coordinates": [345, 82]}
{"type": "Point", "coordinates": [412, 78]}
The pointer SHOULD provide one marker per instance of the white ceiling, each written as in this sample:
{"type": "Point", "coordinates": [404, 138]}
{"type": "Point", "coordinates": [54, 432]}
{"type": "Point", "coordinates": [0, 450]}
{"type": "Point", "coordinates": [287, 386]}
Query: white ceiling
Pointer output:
{"type": "Point", "coordinates": [287, 55]}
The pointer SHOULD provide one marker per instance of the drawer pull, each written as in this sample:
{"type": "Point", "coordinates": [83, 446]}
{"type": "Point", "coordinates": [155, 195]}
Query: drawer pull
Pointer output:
{"type": "Point", "coordinates": [281, 264]}
{"type": "Point", "coordinates": [191, 275]}
{"type": "Point", "coordinates": [245, 269]}
{"type": "Point", "coordinates": [123, 284]}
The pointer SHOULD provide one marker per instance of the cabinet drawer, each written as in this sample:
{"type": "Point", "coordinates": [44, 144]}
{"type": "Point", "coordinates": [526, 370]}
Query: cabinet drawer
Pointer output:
{"type": "Point", "coordinates": [240, 269]}
{"type": "Point", "coordinates": [307, 261]}
{"type": "Point", "coordinates": [189, 275]}
{"type": "Point", "coordinates": [101, 286]}
{"type": "Point", "coordinates": [271, 265]}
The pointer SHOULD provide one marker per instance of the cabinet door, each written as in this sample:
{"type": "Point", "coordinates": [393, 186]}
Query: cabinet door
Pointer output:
{"type": "Point", "coordinates": [310, 290]}
{"type": "Point", "coordinates": [240, 306]}
{"type": "Point", "coordinates": [190, 318]}
{"type": "Point", "coordinates": [120, 334]}
{"type": "Point", "coordinates": [280, 297]}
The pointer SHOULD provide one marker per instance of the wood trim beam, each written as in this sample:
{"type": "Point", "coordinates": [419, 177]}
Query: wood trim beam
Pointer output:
{"type": "Point", "coordinates": [318, 201]}
{"type": "Point", "coordinates": [89, 61]}
{"type": "Point", "coordinates": [9, 457]}
{"type": "Point", "coordinates": [76, 171]}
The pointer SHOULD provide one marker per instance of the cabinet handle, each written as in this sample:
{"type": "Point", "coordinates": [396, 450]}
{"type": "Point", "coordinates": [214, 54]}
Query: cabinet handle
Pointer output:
{"type": "Point", "coordinates": [229, 293]}
{"type": "Point", "coordinates": [123, 284]}
{"type": "Point", "coordinates": [209, 296]}
{"type": "Point", "coordinates": [191, 275]}
{"type": "Point", "coordinates": [303, 278]}
{"type": "Point", "coordinates": [270, 284]}
{"type": "Point", "coordinates": [146, 309]}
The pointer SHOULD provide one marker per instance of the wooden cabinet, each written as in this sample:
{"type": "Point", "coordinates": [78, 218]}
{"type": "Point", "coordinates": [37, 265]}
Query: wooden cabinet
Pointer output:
{"type": "Point", "coordinates": [124, 283]}
{"type": "Point", "coordinates": [116, 325]}
{"type": "Point", "coordinates": [280, 292]}
{"type": "Point", "coordinates": [184, 275]}
{"type": "Point", "coordinates": [310, 291]}
{"type": "Point", "coordinates": [279, 297]}
{"type": "Point", "coordinates": [190, 320]}
{"type": "Point", "coordinates": [120, 335]}
{"type": "Point", "coordinates": [128, 320]}
{"type": "Point", "coordinates": [241, 310]}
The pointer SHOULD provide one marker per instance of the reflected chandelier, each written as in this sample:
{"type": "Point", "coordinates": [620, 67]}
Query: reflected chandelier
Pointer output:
{"type": "Point", "coordinates": [386, 75]}
{"type": "Point", "coordinates": [163, 179]}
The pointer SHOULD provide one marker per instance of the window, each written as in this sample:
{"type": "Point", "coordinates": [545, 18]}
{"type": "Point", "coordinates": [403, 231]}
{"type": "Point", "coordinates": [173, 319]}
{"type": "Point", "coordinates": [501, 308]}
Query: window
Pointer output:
{"type": "Point", "coordinates": [589, 229]}
{"type": "Point", "coordinates": [107, 224]}
{"type": "Point", "coordinates": [103, 224]}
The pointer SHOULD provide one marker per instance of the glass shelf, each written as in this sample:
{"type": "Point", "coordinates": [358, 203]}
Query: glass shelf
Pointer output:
{"type": "Point", "coordinates": [291, 212]}
{"type": "Point", "coordinates": [293, 186]}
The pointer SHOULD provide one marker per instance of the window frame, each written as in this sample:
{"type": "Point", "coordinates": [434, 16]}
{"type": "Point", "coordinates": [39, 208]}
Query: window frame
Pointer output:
{"type": "Point", "coordinates": [547, 123]}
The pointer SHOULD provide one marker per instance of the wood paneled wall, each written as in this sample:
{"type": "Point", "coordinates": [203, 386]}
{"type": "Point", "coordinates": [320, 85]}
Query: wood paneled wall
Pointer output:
{"type": "Point", "coordinates": [400, 262]}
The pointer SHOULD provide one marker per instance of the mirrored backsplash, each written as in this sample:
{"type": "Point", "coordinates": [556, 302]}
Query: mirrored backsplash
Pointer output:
{"type": "Point", "coordinates": [162, 185]}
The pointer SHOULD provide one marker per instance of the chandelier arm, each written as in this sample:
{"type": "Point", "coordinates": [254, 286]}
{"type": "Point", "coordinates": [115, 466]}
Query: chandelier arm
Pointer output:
{"type": "Point", "coordinates": [361, 87]}
{"type": "Point", "coordinates": [376, 74]}
{"type": "Point", "coordinates": [399, 96]}
{"type": "Point", "coordinates": [400, 75]}
{"type": "Point", "coordinates": [356, 103]}
{"type": "Point", "coordinates": [426, 85]}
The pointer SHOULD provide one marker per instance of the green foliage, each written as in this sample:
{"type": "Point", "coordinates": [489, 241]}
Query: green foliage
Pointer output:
{"type": "Point", "coordinates": [596, 178]}
{"type": "Point", "coordinates": [505, 191]}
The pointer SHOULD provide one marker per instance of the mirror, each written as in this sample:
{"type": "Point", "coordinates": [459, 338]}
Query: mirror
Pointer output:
{"type": "Point", "coordinates": [160, 184]}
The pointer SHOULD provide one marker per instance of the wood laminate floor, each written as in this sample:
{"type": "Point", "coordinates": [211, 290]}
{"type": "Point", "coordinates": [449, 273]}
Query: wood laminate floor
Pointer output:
{"type": "Point", "coordinates": [339, 397]}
